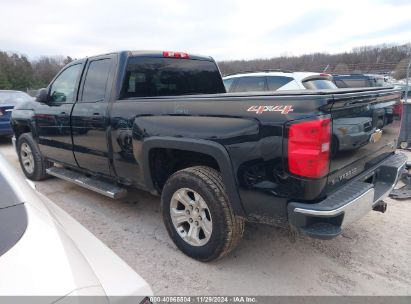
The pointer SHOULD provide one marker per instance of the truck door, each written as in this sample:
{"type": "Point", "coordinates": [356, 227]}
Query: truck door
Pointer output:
{"type": "Point", "coordinates": [89, 118]}
{"type": "Point", "coordinates": [52, 119]}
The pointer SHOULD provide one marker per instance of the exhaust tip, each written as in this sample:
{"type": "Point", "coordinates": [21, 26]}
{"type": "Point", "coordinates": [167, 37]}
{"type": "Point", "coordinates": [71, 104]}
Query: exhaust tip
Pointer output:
{"type": "Point", "coordinates": [380, 207]}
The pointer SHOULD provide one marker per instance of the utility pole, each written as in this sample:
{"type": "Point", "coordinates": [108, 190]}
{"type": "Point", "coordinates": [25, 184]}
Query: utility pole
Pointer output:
{"type": "Point", "coordinates": [405, 136]}
{"type": "Point", "coordinates": [407, 85]}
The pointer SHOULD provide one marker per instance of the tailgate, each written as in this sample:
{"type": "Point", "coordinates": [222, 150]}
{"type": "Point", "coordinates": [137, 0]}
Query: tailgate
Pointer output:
{"type": "Point", "coordinates": [365, 129]}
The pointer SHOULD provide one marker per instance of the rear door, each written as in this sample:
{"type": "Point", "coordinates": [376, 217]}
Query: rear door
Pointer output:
{"type": "Point", "coordinates": [89, 119]}
{"type": "Point", "coordinates": [365, 129]}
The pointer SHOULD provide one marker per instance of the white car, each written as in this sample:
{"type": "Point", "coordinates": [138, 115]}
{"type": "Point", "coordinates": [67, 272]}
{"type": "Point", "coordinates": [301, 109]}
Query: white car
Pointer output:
{"type": "Point", "coordinates": [277, 80]}
{"type": "Point", "coordinates": [45, 252]}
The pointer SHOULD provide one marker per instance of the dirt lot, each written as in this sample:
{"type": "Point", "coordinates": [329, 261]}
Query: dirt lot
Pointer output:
{"type": "Point", "coordinates": [372, 257]}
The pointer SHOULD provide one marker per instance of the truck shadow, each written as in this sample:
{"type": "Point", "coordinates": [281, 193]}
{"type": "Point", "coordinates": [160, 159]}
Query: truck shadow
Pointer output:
{"type": "Point", "coordinates": [134, 229]}
{"type": "Point", "coordinates": [5, 141]}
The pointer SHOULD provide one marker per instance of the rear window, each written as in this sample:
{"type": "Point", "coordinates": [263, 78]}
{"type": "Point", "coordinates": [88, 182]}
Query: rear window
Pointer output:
{"type": "Point", "coordinates": [149, 76]}
{"type": "Point", "coordinates": [317, 84]}
{"type": "Point", "coordinates": [346, 82]}
{"type": "Point", "coordinates": [250, 84]}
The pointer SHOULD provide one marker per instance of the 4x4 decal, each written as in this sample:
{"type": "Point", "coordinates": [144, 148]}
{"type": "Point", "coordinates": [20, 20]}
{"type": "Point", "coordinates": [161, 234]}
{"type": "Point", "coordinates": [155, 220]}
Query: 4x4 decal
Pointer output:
{"type": "Point", "coordinates": [260, 109]}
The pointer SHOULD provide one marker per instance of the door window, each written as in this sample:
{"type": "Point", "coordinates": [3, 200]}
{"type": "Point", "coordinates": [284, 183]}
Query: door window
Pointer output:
{"type": "Point", "coordinates": [250, 84]}
{"type": "Point", "coordinates": [276, 82]}
{"type": "Point", "coordinates": [96, 80]}
{"type": "Point", "coordinates": [228, 83]}
{"type": "Point", "coordinates": [64, 87]}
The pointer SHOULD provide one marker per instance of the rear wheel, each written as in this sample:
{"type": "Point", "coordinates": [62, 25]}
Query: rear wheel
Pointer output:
{"type": "Point", "coordinates": [31, 161]}
{"type": "Point", "coordinates": [198, 215]}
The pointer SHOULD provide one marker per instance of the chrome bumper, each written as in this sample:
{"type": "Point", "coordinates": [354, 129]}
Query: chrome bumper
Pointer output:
{"type": "Point", "coordinates": [326, 219]}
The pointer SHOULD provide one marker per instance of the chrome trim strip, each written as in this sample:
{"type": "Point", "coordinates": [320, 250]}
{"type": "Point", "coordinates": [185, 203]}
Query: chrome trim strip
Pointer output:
{"type": "Point", "coordinates": [14, 142]}
{"type": "Point", "coordinates": [334, 211]}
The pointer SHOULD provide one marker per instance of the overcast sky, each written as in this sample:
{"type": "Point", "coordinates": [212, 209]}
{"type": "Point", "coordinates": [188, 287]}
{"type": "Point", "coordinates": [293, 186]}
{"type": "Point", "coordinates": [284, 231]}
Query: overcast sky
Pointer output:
{"type": "Point", "coordinates": [222, 29]}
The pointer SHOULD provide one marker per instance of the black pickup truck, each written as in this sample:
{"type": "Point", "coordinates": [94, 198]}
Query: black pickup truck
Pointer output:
{"type": "Point", "coordinates": [162, 122]}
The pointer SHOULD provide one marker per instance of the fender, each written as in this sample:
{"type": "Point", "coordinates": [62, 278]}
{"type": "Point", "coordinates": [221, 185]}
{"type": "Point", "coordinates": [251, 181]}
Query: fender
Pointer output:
{"type": "Point", "coordinates": [213, 149]}
{"type": "Point", "coordinates": [23, 118]}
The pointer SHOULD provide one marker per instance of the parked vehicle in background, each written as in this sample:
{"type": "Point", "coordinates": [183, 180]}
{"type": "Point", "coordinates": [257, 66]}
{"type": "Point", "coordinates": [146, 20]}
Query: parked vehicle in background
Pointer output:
{"type": "Point", "coordinates": [276, 80]}
{"type": "Point", "coordinates": [163, 122]}
{"type": "Point", "coordinates": [348, 134]}
{"type": "Point", "coordinates": [45, 252]}
{"type": "Point", "coordinates": [8, 99]}
{"type": "Point", "coordinates": [359, 80]}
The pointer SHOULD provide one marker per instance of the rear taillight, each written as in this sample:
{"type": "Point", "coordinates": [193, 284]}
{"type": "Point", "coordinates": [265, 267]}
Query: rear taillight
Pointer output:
{"type": "Point", "coordinates": [309, 148]}
{"type": "Point", "coordinates": [175, 55]}
{"type": "Point", "coordinates": [397, 109]}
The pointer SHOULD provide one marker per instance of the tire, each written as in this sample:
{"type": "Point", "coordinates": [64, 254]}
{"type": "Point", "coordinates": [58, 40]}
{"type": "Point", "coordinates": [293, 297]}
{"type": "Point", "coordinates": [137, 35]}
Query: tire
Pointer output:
{"type": "Point", "coordinates": [205, 188]}
{"type": "Point", "coordinates": [404, 145]}
{"type": "Point", "coordinates": [31, 161]}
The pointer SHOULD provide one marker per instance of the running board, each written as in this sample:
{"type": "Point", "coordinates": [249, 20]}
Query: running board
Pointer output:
{"type": "Point", "coordinates": [92, 183]}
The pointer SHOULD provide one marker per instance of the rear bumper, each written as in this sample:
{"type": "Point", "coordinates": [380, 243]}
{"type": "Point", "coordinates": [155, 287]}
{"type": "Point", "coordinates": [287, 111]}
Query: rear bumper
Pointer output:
{"type": "Point", "coordinates": [327, 218]}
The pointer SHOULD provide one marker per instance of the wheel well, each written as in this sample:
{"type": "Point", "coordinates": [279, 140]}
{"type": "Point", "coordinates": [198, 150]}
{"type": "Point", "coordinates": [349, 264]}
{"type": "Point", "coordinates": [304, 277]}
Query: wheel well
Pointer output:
{"type": "Point", "coordinates": [165, 162]}
{"type": "Point", "coordinates": [19, 129]}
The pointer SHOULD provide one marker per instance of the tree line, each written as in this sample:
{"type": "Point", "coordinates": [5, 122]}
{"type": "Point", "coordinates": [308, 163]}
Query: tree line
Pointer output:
{"type": "Point", "coordinates": [367, 59]}
{"type": "Point", "coordinates": [17, 72]}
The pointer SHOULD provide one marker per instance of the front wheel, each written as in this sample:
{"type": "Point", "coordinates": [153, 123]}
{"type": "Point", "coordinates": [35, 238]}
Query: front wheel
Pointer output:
{"type": "Point", "coordinates": [198, 215]}
{"type": "Point", "coordinates": [31, 161]}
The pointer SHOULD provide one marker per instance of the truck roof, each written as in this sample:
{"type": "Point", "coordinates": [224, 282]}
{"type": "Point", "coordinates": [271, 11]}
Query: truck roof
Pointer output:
{"type": "Point", "coordinates": [153, 53]}
{"type": "Point", "coordinates": [161, 54]}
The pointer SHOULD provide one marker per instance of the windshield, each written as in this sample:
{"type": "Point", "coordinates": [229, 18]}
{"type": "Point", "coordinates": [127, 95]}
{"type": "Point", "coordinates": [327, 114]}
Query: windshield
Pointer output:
{"type": "Point", "coordinates": [7, 97]}
{"type": "Point", "coordinates": [169, 77]}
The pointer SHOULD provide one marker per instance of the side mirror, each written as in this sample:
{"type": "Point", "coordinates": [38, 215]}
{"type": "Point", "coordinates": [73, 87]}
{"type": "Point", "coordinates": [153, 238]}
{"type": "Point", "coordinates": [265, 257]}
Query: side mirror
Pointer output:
{"type": "Point", "coordinates": [43, 96]}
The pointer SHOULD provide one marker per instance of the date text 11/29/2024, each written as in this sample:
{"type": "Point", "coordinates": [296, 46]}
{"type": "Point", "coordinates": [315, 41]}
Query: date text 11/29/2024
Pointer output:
{"type": "Point", "coordinates": [203, 299]}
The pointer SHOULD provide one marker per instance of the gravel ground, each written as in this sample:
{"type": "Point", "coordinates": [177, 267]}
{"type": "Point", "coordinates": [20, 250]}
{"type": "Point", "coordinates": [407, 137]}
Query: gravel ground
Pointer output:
{"type": "Point", "coordinates": [372, 257]}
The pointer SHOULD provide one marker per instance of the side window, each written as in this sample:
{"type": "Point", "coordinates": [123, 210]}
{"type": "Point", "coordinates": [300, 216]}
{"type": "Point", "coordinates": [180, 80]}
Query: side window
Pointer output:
{"type": "Point", "coordinates": [250, 84]}
{"type": "Point", "coordinates": [63, 88]}
{"type": "Point", "coordinates": [228, 83]}
{"type": "Point", "coordinates": [340, 83]}
{"type": "Point", "coordinates": [96, 80]}
{"type": "Point", "coordinates": [357, 82]}
{"type": "Point", "coordinates": [276, 82]}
